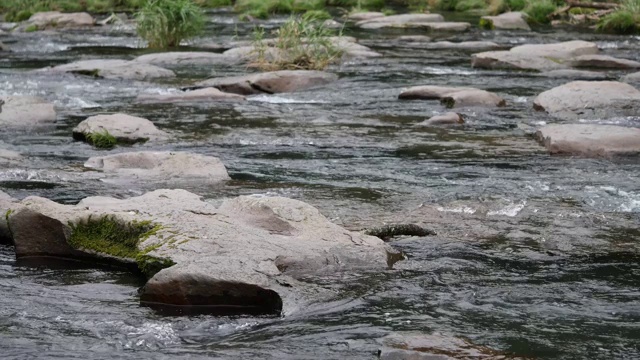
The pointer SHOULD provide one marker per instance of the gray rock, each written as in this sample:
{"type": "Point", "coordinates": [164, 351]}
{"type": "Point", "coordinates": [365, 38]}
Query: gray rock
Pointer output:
{"type": "Point", "coordinates": [179, 58]}
{"type": "Point", "coordinates": [603, 61]}
{"type": "Point", "coordinates": [506, 21]}
{"type": "Point", "coordinates": [3, 47]}
{"type": "Point", "coordinates": [558, 51]}
{"type": "Point", "coordinates": [113, 69]}
{"type": "Point", "coordinates": [363, 16]}
{"type": "Point", "coordinates": [414, 38]}
{"type": "Point", "coordinates": [8, 157]}
{"type": "Point", "coordinates": [6, 203]}
{"type": "Point", "coordinates": [399, 21]}
{"type": "Point", "coordinates": [453, 97]}
{"type": "Point", "coordinates": [125, 128]}
{"type": "Point", "coordinates": [26, 112]}
{"type": "Point", "coordinates": [332, 24]}
{"type": "Point", "coordinates": [450, 118]}
{"type": "Point", "coordinates": [246, 256]}
{"type": "Point", "coordinates": [464, 45]}
{"type": "Point", "coordinates": [209, 94]}
{"type": "Point", "coordinates": [444, 26]}
{"type": "Point", "coordinates": [56, 19]}
{"type": "Point", "coordinates": [415, 346]}
{"type": "Point", "coordinates": [590, 100]}
{"type": "Point", "coordinates": [162, 166]}
{"type": "Point", "coordinates": [590, 140]}
{"type": "Point", "coordinates": [271, 82]}
{"type": "Point", "coordinates": [574, 74]}
{"type": "Point", "coordinates": [632, 78]}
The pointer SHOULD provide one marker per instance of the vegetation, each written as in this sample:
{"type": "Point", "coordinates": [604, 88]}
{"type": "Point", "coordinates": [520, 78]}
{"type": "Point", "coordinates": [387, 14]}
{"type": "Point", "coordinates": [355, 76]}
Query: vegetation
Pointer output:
{"type": "Point", "coordinates": [101, 140]}
{"type": "Point", "coordinates": [538, 11]}
{"type": "Point", "coordinates": [20, 10]}
{"type": "Point", "coordinates": [625, 20]}
{"type": "Point", "coordinates": [300, 44]}
{"type": "Point", "coordinates": [165, 23]}
{"type": "Point", "coordinates": [108, 235]}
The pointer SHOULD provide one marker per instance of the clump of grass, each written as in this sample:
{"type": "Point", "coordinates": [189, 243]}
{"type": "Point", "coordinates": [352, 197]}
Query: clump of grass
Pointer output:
{"type": "Point", "coordinates": [20, 10]}
{"type": "Point", "coordinates": [538, 11]}
{"type": "Point", "coordinates": [625, 20]}
{"type": "Point", "coordinates": [101, 139]}
{"type": "Point", "coordinates": [213, 3]}
{"type": "Point", "coordinates": [165, 23]}
{"type": "Point", "coordinates": [302, 45]}
{"type": "Point", "coordinates": [316, 15]}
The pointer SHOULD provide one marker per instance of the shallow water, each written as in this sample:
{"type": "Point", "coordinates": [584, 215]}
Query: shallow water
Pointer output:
{"type": "Point", "coordinates": [535, 255]}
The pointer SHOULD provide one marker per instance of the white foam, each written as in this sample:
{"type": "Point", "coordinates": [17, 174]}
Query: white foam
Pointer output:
{"type": "Point", "coordinates": [460, 209]}
{"type": "Point", "coordinates": [510, 210]}
{"type": "Point", "coordinates": [274, 99]}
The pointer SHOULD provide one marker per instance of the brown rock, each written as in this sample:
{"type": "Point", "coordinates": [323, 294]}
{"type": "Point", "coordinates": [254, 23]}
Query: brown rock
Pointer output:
{"type": "Point", "coordinates": [590, 140]}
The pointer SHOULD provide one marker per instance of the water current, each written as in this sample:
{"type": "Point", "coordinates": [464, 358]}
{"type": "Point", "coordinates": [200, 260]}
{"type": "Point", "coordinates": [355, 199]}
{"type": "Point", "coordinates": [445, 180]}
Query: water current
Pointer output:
{"type": "Point", "coordinates": [537, 256]}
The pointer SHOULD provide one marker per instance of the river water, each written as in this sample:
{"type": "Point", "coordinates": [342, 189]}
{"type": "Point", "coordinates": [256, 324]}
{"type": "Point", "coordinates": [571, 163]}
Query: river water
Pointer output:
{"type": "Point", "coordinates": [535, 256]}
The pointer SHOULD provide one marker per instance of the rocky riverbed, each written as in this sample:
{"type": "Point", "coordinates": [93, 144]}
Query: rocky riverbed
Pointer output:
{"type": "Point", "coordinates": [518, 148]}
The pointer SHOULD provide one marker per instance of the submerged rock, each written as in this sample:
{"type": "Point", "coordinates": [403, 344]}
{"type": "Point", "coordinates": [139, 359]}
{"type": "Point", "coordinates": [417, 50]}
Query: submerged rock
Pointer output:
{"type": "Point", "coordinates": [590, 140]}
{"type": "Point", "coordinates": [162, 166]}
{"type": "Point", "coordinates": [603, 61]}
{"type": "Point", "coordinates": [246, 256]}
{"type": "Point", "coordinates": [450, 118]}
{"type": "Point", "coordinates": [56, 19]}
{"type": "Point", "coordinates": [506, 21]}
{"type": "Point", "coordinates": [25, 112]}
{"type": "Point", "coordinates": [209, 94]}
{"type": "Point", "coordinates": [113, 69]}
{"type": "Point", "coordinates": [590, 100]}
{"type": "Point", "coordinates": [453, 97]}
{"type": "Point", "coordinates": [632, 78]}
{"type": "Point", "coordinates": [125, 128]}
{"type": "Point", "coordinates": [575, 74]}
{"type": "Point", "coordinates": [6, 203]}
{"type": "Point", "coordinates": [179, 58]}
{"type": "Point", "coordinates": [270, 82]}
{"type": "Point", "coordinates": [414, 346]}
{"type": "Point", "coordinates": [3, 47]}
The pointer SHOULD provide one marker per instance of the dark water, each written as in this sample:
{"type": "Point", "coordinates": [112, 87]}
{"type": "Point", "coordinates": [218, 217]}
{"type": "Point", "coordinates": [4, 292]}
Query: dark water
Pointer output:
{"type": "Point", "coordinates": [536, 256]}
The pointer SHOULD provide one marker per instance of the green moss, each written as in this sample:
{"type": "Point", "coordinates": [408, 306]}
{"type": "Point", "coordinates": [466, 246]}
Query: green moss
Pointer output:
{"type": "Point", "coordinates": [31, 28]}
{"type": "Point", "coordinates": [150, 265]}
{"type": "Point", "coordinates": [486, 24]}
{"type": "Point", "coordinates": [101, 140]}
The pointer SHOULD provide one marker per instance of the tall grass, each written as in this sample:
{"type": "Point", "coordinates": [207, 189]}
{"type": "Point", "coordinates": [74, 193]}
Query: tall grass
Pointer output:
{"type": "Point", "coordinates": [625, 20]}
{"type": "Point", "coordinates": [538, 11]}
{"type": "Point", "coordinates": [165, 23]}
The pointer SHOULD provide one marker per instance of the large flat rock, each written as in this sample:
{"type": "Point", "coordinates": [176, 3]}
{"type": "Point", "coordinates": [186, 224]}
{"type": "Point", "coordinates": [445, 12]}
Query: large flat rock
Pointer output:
{"type": "Point", "coordinates": [205, 95]}
{"type": "Point", "coordinates": [113, 69]}
{"type": "Point", "coordinates": [453, 97]}
{"type": "Point", "coordinates": [180, 58]}
{"type": "Point", "coordinates": [271, 82]}
{"type": "Point", "coordinates": [56, 19]}
{"type": "Point", "coordinates": [590, 100]}
{"type": "Point", "coordinates": [632, 78]}
{"type": "Point", "coordinates": [558, 51]}
{"type": "Point", "coordinates": [26, 112]}
{"type": "Point", "coordinates": [245, 256]}
{"type": "Point", "coordinates": [506, 21]}
{"type": "Point", "coordinates": [603, 62]}
{"type": "Point", "coordinates": [125, 128]}
{"type": "Point", "coordinates": [399, 21]}
{"type": "Point", "coordinates": [590, 140]}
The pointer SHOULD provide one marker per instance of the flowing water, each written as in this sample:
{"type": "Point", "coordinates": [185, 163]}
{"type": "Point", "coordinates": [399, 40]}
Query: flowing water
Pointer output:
{"type": "Point", "coordinates": [536, 256]}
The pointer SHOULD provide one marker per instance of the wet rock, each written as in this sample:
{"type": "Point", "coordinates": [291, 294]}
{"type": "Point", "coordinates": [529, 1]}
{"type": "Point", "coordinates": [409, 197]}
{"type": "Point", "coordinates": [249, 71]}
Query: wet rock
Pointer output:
{"type": "Point", "coordinates": [3, 47]}
{"type": "Point", "coordinates": [209, 94]}
{"type": "Point", "coordinates": [413, 346]}
{"type": "Point", "coordinates": [574, 74]}
{"type": "Point", "coordinates": [363, 16]}
{"type": "Point", "coordinates": [245, 256]}
{"type": "Point", "coordinates": [56, 19]}
{"type": "Point", "coordinates": [271, 82]}
{"type": "Point", "coordinates": [125, 128]}
{"type": "Point", "coordinates": [26, 112]}
{"type": "Point", "coordinates": [464, 45]}
{"type": "Point", "coordinates": [590, 140]}
{"type": "Point", "coordinates": [632, 78]}
{"type": "Point", "coordinates": [8, 157]}
{"type": "Point", "coordinates": [590, 100]}
{"type": "Point", "coordinates": [453, 97]}
{"type": "Point", "coordinates": [113, 69]}
{"type": "Point", "coordinates": [399, 21]}
{"type": "Point", "coordinates": [603, 61]}
{"type": "Point", "coordinates": [536, 57]}
{"type": "Point", "coordinates": [332, 24]}
{"type": "Point", "coordinates": [506, 21]}
{"type": "Point", "coordinates": [179, 58]}
{"type": "Point", "coordinates": [162, 166]}
{"type": "Point", "coordinates": [450, 118]}
{"type": "Point", "coordinates": [414, 38]}
{"type": "Point", "coordinates": [445, 26]}
{"type": "Point", "coordinates": [6, 203]}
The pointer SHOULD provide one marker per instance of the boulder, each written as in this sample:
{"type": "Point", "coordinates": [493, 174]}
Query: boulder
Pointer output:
{"type": "Point", "coordinates": [363, 16]}
{"type": "Point", "coordinates": [590, 140]}
{"type": "Point", "coordinates": [445, 26]}
{"type": "Point", "coordinates": [113, 69]}
{"type": "Point", "coordinates": [575, 74]}
{"type": "Point", "coordinates": [399, 21]}
{"type": "Point", "coordinates": [161, 166]}
{"type": "Point", "coordinates": [25, 112]}
{"type": "Point", "coordinates": [632, 78]}
{"type": "Point", "coordinates": [453, 97]}
{"type": "Point", "coordinates": [590, 100]}
{"type": "Point", "coordinates": [125, 128]}
{"type": "Point", "coordinates": [56, 19]}
{"type": "Point", "coordinates": [209, 94]}
{"type": "Point", "coordinates": [3, 47]}
{"type": "Point", "coordinates": [271, 82]}
{"type": "Point", "coordinates": [179, 58]}
{"type": "Point", "coordinates": [416, 346]}
{"type": "Point", "coordinates": [535, 57]}
{"type": "Point", "coordinates": [506, 21]}
{"type": "Point", "coordinates": [603, 61]}
{"type": "Point", "coordinates": [450, 118]}
{"type": "Point", "coordinates": [246, 256]}
{"type": "Point", "coordinates": [6, 203]}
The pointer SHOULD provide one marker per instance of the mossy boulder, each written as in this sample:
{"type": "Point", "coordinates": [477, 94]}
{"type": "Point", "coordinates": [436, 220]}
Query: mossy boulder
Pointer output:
{"type": "Point", "coordinates": [126, 129]}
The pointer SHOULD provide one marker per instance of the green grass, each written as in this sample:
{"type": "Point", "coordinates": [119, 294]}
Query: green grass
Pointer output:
{"type": "Point", "coordinates": [625, 20]}
{"type": "Point", "coordinates": [20, 10]}
{"type": "Point", "coordinates": [316, 15]}
{"type": "Point", "coordinates": [538, 11]}
{"type": "Point", "coordinates": [165, 23]}
{"type": "Point", "coordinates": [302, 45]}
{"type": "Point", "coordinates": [101, 140]}
{"type": "Point", "coordinates": [467, 5]}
